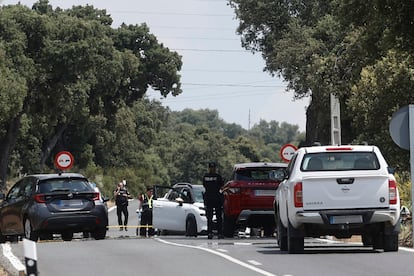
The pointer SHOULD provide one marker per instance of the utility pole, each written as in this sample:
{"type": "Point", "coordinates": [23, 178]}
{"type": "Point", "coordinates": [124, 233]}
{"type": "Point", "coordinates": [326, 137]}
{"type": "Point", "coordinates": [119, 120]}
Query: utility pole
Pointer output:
{"type": "Point", "coordinates": [335, 121]}
{"type": "Point", "coordinates": [248, 124]}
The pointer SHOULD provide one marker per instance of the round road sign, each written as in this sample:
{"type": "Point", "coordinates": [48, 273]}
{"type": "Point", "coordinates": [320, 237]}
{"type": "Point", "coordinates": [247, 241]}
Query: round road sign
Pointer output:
{"type": "Point", "coordinates": [287, 152]}
{"type": "Point", "coordinates": [64, 160]}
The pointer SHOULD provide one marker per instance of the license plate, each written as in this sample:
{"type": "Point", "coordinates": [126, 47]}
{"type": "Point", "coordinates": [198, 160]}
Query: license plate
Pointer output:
{"type": "Point", "coordinates": [264, 192]}
{"type": "Point", "coordinates": [70, 203]}
{"type": "Point", "coordinates": [346, 219]}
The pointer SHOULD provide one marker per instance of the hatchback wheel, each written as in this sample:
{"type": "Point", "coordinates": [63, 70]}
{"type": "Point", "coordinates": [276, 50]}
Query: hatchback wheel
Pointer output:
{"type": "Point", "coordinates": [29, 233]}
{"type": "Point", "coordinates": [67, 236]}
{"type": "Point", "coordinates": [99, 234]}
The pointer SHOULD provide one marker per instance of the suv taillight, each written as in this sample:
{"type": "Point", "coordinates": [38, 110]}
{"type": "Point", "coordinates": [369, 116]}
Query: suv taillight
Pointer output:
{"type": "Point", "coordinates": [297, 195]}
{"type": "Point", "coordinates": [392, 190]}
{"type": "Point", "coordinates": [40, 198]}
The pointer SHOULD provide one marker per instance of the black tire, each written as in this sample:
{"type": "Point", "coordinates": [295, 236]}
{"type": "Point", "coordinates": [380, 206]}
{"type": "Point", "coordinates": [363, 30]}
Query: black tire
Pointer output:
{"type": "Point", "coordinates": [2, 238]}
{"type": "Point", "coordinates": [67, 236]}
{"type": "Point", "coordinates": [191, 227]}
{"type": "Point", "coordinates": [29, 233]}
{"type": "Point", "coordinates": [45, 237]}
{"type": "Point", "coordinates": [229, 226]}
{"type": "Point", "coordinates": [366, 240]}
{"type": "Point", "coordinates": [281, 235]}
{"type": "Point", "coordinates": [391, 243]}
{"type": "Point", "coordinates": [296, 244]}
{"type": "Point", "coordinates": [99, 234]}
{"type": "Point", "coordinates": [268, 231]}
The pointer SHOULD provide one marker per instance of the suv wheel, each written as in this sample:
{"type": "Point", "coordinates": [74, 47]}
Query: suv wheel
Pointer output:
{"type": "Point", "coordinates": [229, 226]}
{"type": "Point", "coordinates": [191, 227]}
{"type": "Point", "coordinates": [28, 231]}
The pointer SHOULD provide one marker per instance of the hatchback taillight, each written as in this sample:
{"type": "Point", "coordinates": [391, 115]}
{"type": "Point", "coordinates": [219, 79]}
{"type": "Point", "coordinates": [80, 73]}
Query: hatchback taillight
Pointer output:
{"type": "Point", "coordinates": [95, 196]}
{"type": "Point", "coordinates": [298, 195]}
{"type": "Point", "coordinates": [40, 198]}
{"type": "Point", "coordinates": [392, 190]}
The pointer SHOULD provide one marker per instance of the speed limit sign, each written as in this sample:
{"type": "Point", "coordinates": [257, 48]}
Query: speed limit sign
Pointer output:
{"type": "Point", "coordinates": [287, 152]}
{"type": "Point", "coordinates": [64, 160]}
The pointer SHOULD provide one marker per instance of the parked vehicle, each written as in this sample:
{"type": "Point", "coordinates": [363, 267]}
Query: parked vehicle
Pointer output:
{"type": "Point", "coordinates": [249, 195]}
{"type": "Point", "coordinates": [340, 191]}
{"type": "Point", "coordinates": [41, 205]}
{"type": "Point", "coordinates": [181, 210]}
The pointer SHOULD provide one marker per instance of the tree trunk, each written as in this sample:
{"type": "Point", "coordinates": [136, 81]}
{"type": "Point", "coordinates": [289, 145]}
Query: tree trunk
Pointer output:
{"type": "Point", "coordinates": [52, 143]}
{"type": "Point", "coordinates": [7, 144]}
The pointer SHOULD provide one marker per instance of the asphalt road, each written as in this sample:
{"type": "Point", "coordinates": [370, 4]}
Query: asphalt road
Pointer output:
{"type": "Point", "coordinates": [123, 253]}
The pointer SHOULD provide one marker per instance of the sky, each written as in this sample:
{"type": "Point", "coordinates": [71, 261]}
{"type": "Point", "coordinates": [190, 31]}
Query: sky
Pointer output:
{"type": "Point", "coordinates": [217, 73]}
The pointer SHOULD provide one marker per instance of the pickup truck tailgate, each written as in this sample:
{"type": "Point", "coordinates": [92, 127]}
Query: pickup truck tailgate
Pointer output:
{"type": "Point", "coordinates": [342, 192]}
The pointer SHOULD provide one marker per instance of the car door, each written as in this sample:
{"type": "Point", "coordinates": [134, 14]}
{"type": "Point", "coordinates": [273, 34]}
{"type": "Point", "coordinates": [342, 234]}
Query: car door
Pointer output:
{"type": "Point", "coordinates": [12, 208]}
{"type": "Point", "coordinates": [167, 212]}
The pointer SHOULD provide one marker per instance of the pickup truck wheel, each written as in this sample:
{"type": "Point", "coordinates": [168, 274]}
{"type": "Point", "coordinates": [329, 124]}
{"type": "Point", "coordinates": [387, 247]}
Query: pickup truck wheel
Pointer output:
{"type": "Point", "coordinates": [281, 235]}
{"type": "Point", "coordinates": [296, 244]}
{"type": "Point", "coordinates": [391, 243]}
{"type": "Point", "coordinates": [229, 226]}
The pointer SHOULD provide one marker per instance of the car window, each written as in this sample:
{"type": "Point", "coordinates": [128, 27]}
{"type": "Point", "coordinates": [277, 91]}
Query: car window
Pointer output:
{"type": "Point", "coordinates": [173, 195]}
{"type": "Point", "coordinates": [198, 194]}
{"type": "Point", "coordinates": [340, 161]}
{"type": "Point", "coordinates": [259, 173]}
{"type": "Point", "coordinates": [186, 195]}
{"type": "Point", "coordinates": [15, 191]}
{"type": "Point", "coordinates": [59, 185]}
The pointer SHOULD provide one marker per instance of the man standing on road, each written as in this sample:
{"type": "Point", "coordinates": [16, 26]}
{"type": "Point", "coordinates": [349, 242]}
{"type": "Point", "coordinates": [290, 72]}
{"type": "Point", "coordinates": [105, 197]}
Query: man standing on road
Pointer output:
{"type": "Point", "coordinates": [213, 199]}
{"type": "Point", "coordinates": [121, 200]}
{"type": "Point", "coordinates": [146, 216]}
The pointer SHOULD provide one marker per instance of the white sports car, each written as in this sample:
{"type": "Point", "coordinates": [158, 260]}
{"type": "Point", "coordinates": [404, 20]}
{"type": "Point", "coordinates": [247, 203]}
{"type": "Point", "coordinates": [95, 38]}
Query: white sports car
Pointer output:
{"type": "Point", "coordinates": [181, 210]}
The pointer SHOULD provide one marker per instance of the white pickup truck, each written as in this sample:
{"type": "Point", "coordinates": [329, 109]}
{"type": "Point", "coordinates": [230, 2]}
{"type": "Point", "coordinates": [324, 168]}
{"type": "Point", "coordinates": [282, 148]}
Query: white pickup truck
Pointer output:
{"type": "Point", "coordinates": [339, 191]}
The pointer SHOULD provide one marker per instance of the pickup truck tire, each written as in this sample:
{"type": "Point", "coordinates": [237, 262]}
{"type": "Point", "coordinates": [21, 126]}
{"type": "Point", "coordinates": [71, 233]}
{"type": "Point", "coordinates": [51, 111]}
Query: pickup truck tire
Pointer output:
{"type": "Point", "coordinates": [229, 226]}
{"type": "Point", "coordinates": [366, 240]}
{"type": "Point", "coordinates": [391, 243]}
{"type": "Point", "coordinates": [281, 235]}
{"type": "Point", "coordinates": [295, 243]}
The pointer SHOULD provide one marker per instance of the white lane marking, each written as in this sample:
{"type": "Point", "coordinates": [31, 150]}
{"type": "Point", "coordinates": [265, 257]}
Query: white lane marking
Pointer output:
{"type": "Point", "coordinates": [222, 250]}
{"type": "Point", "coordinates": [253, 262]}
{"type": "Point", "coordinates": [16, 263]}
{"type": "Point", "coordinates": [227, 257]}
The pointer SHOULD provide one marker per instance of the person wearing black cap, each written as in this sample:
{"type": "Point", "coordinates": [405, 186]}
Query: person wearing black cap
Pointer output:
{"type": "Point", "coordinates": [146, 216]}
{"type": "Point", "coordinates": [213, 199]}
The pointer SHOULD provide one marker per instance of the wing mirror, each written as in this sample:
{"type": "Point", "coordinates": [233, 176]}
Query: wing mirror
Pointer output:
{"type": "Point", "coordinates": [179, 200]}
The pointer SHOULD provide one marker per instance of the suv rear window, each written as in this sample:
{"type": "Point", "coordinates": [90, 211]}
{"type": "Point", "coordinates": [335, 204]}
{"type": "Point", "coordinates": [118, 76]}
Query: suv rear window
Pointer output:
{"type": "Point", "coordinates": [259, 174]}
{"type": "Point", "coordinates": [340, 161]}
{"type": "Point", "coordinates": [64, 185]}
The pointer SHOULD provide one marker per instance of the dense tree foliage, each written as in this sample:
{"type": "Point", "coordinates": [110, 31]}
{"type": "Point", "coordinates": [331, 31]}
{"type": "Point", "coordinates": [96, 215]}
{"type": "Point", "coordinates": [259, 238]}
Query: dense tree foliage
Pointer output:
{"type": "Point", "coordinates": [360, 51]}
{"type": "Point", "coordinates": [71, 82]}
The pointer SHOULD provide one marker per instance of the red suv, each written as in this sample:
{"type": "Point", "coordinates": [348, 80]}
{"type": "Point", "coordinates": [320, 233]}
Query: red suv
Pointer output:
{"type": "Point", "coordinates": [249, 195]}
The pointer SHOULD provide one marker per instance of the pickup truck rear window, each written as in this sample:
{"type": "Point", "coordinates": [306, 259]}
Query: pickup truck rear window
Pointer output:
{"type": "Point", "coordinates": [340, 161]}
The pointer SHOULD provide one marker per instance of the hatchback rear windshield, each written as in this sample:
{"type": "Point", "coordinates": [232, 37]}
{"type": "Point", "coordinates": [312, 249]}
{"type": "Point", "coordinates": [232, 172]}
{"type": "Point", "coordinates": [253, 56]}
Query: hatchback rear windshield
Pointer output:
{"type": "Point", "coordinates": [340, 161]}
{"type": "Point", "coordinates": [64, 185]}
{"type": "Point", "coordinates": [259, 174]}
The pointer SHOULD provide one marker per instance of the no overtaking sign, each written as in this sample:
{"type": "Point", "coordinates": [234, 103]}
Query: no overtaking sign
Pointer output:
{"type": "Point", "coordinates": [64, 160]}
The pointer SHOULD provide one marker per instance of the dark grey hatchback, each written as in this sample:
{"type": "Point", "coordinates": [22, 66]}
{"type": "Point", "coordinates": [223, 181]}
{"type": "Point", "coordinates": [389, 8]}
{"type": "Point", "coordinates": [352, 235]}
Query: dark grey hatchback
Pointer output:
{"type": "Point", "coordinates": [41, 205]}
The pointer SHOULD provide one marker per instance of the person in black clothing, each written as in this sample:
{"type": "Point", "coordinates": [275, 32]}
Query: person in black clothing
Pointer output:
{"type": "Point", "coordinates": [146, 215]}
{"type": "Point", "coordinates": [121, 200]}
{"type": "Point", "coordinates": [213, 199]}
